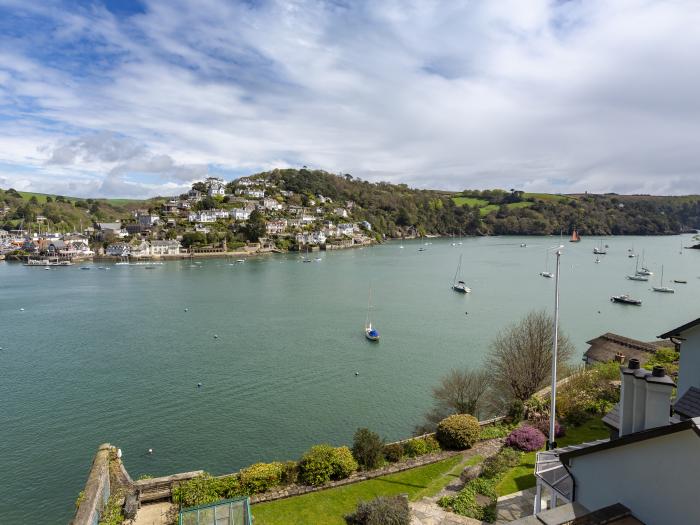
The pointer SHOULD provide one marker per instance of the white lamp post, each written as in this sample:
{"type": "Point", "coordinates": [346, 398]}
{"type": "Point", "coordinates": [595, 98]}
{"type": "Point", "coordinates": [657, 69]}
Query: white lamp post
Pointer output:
{"type": "Point", "coordinates": [551, 444]}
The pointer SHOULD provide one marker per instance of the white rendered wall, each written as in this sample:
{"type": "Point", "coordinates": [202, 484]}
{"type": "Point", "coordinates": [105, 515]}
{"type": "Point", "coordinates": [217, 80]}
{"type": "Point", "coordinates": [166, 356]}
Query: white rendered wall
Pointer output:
{"type": "Point", "coordinates": [657, 479]}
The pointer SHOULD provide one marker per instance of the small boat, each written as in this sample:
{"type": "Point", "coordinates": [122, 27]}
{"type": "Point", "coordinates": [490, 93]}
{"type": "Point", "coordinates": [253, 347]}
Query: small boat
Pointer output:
{"type": "Point", "coordinates": [625, 299]}
{"type": "Point", "coordinates": [318, 259]}
{"type": "Point", "coordinates": [421, 249]}
{"type": "Point", "coordinates": [661, 288]}
{"type": "Point", "coordinates": [459, 286]}
{"type": "Point", "coordinates": [599, 250]}
{"type": "Point", "coordinates": [644, 270]}
{"type": "Point", "coordinates": [371, 333]}
{"type": "Point", "coordinates": [239, 261]}
{"type": "Point", "coordinates": [546, 273]}
{"type": "Point", "coordinates": [680, 281]}
{"type": "Point", "coordinates": [597, 260]}
{"type": "Point", "coordinates": [84, 267]}
{"type": "Point", "coordinates": [523, 245]}
{"type": "Point", "coordinates": [575, 237]}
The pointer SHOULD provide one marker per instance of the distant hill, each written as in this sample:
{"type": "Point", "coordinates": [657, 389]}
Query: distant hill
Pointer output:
{"type": "Point", "coordinates": [396, 209]}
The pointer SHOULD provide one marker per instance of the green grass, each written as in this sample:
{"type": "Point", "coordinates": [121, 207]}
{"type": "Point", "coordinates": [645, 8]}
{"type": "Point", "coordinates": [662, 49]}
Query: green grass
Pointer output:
{"type": "Point", "coordinates": [41, 197]}
{"type": "Point", "coordinates": [546, 197]}
{"type": "Point", "coordinates": [470, 201]}
{"type": "Point", "coordinates": [522, 477]}
{"type": "Point", "coordinates": [488, 209]}
{"type": "Point", "coordinates": [523, 204]}
{"type": "Point", "coordinates": [329, 506]}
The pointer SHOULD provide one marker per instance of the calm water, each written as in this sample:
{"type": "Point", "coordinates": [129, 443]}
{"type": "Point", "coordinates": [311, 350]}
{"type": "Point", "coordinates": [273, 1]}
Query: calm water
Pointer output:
{"type": "Point", "coordinates": [111, 356]}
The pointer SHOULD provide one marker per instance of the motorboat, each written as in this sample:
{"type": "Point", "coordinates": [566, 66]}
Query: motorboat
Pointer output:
{"type": "Point", "coordinates": [625, 299]}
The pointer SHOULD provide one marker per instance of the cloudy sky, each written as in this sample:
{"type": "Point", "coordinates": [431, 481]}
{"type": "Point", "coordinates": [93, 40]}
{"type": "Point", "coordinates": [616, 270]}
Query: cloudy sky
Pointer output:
{"type": "Point", "coordinates": [136, 98]}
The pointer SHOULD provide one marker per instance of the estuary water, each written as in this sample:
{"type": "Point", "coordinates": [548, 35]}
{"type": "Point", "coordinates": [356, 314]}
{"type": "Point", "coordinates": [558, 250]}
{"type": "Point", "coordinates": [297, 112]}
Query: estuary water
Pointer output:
{"type": "Point", "coordinates": [116, 355]}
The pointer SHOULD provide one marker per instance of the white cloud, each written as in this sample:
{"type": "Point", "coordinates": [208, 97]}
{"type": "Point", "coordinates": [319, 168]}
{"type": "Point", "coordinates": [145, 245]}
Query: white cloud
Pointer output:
{"type": "Point", "coordinates": [551, 96]}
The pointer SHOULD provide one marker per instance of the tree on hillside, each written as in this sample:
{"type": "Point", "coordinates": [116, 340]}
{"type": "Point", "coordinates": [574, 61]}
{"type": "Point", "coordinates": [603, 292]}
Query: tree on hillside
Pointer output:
{"type": "Point", "coordinates": [460, 391]}
{"type": "Point", "coordinates": [520, 358]}
{"type": "Point", "coordinates": [255, 227]}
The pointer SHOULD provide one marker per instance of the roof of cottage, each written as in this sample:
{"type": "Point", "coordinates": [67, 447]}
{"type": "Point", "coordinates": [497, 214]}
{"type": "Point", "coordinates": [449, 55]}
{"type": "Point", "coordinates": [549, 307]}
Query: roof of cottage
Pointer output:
{"type": "Point", "coordinates": [688, 405]}
{"type": "Point", "coordinates": [676, 332]}
{"type": "Point", "coordinates": [605, 347]}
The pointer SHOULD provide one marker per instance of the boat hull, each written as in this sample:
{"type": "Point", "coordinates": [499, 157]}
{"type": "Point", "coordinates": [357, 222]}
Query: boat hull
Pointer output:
{"type": "Point", "coordinates": [663, 289]}
{"type": "Point", "coordinates": [625, 300]}
{"type": "Point", "coordinates": [460, 289]}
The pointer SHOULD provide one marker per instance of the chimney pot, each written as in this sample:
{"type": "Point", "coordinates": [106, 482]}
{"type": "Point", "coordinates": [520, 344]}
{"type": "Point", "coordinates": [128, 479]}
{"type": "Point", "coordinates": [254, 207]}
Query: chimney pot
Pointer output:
{"type": "Point", "coordinates": [633, 364]}
{"type": "Point", "coordinates": [658, 371]}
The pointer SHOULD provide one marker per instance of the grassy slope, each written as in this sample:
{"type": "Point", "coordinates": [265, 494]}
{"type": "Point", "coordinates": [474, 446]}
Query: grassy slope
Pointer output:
{"type": "Point", "coordinates": [522, 476]}
{"type": "Point", "coordinates": [41, 197]}
{"type": "Point", "coordinates": [329, 506]}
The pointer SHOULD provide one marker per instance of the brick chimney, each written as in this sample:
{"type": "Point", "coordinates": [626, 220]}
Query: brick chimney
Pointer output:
{"type": "Point", "coordinates": [619, 358]}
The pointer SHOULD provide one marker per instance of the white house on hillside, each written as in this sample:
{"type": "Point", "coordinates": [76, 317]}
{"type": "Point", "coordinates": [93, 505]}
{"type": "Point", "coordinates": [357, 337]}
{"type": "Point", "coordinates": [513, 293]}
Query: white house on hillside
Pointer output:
{"type": "Point", "coordinates": [215, 186]}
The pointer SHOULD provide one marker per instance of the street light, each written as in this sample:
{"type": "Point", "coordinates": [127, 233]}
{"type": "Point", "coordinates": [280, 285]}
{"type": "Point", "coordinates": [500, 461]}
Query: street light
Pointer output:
{"type": "Point", "coordinates": [551, 444]}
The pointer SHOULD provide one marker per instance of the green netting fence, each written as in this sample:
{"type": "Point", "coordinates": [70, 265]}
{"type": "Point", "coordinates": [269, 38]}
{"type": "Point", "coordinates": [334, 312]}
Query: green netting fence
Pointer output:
{"type": "Point", "coordinates": [225, 512]}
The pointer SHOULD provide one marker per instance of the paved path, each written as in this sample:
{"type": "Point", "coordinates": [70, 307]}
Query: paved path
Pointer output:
{"type": "Point", "coordinates": [427, 512]}
{"type": "Point", "coordinates": [515, 506]}
{"type": "Point", "coordinates": [162, 513]}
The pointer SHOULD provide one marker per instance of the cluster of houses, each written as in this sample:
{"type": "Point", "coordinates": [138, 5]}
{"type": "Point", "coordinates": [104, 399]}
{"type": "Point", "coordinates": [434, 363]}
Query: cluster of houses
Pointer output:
{"type": "Point", "coordinates": [209, 206]}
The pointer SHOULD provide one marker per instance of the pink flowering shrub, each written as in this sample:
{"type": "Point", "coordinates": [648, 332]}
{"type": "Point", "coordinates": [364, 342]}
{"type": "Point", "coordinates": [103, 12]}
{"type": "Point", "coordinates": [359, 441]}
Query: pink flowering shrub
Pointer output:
{"type": "Point", "coordinates": [542, 425]}
{"type": "Point", "coordinates": [526, 438]}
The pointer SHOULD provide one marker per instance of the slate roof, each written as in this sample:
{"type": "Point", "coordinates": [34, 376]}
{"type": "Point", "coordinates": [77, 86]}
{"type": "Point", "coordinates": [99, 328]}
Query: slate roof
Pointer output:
{"type": "Point", "coordinates": [604, 348]}
{"type": "Point", "coordinates": [689, 403]}
{"type": "Point", "coordinates": [679, 331]}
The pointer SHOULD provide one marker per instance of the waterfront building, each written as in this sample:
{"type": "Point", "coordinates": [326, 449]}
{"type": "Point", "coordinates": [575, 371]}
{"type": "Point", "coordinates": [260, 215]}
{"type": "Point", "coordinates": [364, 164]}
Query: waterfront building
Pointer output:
{"type": "Point", "coordinates": [612, 347]}
{"type": "Point", "coordinates": [140, 249]}
{"type": "Point", "coordinates": [165, 248]}
{"type": "Point", "coordinates": [276, 227]}
{"type": "Point", "coordinates": [118, 249]}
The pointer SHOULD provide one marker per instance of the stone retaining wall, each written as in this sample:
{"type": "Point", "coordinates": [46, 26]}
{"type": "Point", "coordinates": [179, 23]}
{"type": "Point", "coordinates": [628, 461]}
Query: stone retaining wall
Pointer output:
{"type": "Point", "coordinates": [97, 489]}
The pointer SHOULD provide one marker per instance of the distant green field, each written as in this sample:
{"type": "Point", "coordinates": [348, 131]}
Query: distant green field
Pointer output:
{"type": "Point", "coordinates": [469, 201]}
{"type": "Point", "coordinates": [525, 204]}
{"type": "Point", "coordinates": [546, 196]}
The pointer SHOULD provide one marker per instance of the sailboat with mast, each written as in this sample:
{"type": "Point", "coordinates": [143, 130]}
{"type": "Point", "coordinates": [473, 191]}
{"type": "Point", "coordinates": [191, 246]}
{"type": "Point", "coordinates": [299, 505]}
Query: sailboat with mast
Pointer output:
{"type": "Point", "coordinates": [459, 286]}
{"type": "Point", "coordinates": [371, 333]}
{"type": "Point", "coordinates": [575, 237]}
{"type": "Point", "coordinates": [546, 273]}
{"type": "Point", "coordinates": [637, 276]}
{"type": "Point", "coordinates": [661, 288]}
{"type": "Point", "coordinates": [599, 250]}
{"type": "Point", "coordinates": [643, 270]}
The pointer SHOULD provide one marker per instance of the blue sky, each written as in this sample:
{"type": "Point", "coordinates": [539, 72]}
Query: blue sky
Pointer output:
{"type": "Point", "coordinates": [137, 98]}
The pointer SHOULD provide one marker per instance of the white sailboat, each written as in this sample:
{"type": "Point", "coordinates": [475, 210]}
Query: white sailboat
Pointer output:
{"type": "Point", "coordinates": [599, 250]}
{"type": "Point", "coordinates": [661, 288]}
{"type": "Point", "coordinates": [637, 276]}
{"type": "Point", "coordinates": [644, 270]}
{"type": "Point", "coordinates": [459, 286]}
{"type": "Point", "coordinates": [546, 273]}
{"type": "Point", "coordinates": [370, 333]}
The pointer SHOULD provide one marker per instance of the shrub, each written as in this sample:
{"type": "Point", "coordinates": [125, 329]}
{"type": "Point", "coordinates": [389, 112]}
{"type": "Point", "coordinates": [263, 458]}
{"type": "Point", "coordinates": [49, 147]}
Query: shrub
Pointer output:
{"type": "Point", "coordinates": [323, 463]}
{"type": "Point", "coordinates": [367, 448]}
{"type": "Point", "coordinates": [497, 464]}
{"type": "Point", "coordinates": [458, 431]}
{"type": "Point", "coordinates": [421, 446]}
{"type": "Point", "coordinates": [543, 426]}
{"type": "Point", "coordinates": [494, 431]}
{"type": "Point", "coordinates": [384, 510]}
{"type": "Point", "coordinates": [290, 472]}
{"type": "Point", "coordinates": [516, 411]}
{"type": "Point", "coordinates": [261, 477]}
{"type": "Point", "coordinates": [393, 452]}
{"type": "Point", "coordinates": [206, 489]}
{"type": "Point", "coordinates": [526, 438]}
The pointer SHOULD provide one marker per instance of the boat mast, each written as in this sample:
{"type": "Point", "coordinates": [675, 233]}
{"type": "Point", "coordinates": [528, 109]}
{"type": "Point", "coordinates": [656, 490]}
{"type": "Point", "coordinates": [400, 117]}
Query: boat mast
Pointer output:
{"type": "Point", "coordinates": [459, 267]}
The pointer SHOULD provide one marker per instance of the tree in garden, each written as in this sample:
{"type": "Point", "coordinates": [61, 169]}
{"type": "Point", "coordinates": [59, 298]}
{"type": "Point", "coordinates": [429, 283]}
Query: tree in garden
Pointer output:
{"type": "Point", "coordinates": [460, 391]}
{"type": "Point", "coordinates": [367, 448]}
{"type": "Point", "coordinates": [520, 357]}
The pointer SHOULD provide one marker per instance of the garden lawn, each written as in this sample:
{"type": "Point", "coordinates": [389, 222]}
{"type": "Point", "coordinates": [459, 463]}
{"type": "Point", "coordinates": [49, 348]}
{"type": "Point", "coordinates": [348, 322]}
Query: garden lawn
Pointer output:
{"type": "Point", "coordinates": [522, 476]}
{"type": "Point", "coordinates": [328, 507]}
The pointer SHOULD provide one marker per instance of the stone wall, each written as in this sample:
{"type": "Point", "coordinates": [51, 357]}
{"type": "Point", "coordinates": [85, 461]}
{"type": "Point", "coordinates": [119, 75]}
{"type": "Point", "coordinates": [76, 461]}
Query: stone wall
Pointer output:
{"type": "Point", "coordinates": [97, 489]}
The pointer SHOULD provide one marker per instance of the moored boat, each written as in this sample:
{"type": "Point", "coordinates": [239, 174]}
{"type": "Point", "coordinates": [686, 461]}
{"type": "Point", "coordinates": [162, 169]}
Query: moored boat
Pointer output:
{"type": "Point", "coordinates": [371, 333]}
{"type": "Point", "coordinates": [575, 237]}
{"type": "Point", "coordinates": [625, 299]}
{"type": "Point", "coordinates": [459, 286]}
{"type": "Point", "coordinates": [661, 288]}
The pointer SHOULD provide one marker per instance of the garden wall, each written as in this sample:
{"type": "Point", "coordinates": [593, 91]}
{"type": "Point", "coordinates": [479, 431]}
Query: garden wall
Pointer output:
{"type": "Point", "coordinates": [97, 489]}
